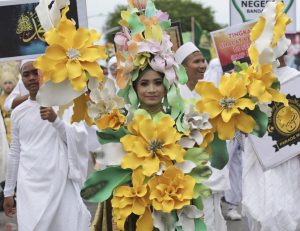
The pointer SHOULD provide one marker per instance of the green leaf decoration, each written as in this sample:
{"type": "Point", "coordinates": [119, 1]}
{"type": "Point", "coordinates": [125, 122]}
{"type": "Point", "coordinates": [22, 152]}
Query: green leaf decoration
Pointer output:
{"type": "Point", "coordinates": [133, 98]}
{"type": "Point", "coordinates": [181, 74]}
{"type": "Point", "coordinates": [262, 121]}
{"type": "Point", "coordinates": [219, 157]}
{"type": "Point", "coordinates": [200, 225]}
{"type": "Point", "coordinates": [179, 125]}
{"type": "Point", "coordinates": [276, 85]}
{"type": "Point", "coordinates": [124, 93]}
{"type": "Point", "coordinates": [135, 75]}
{"type": "Point", "coordinates": [197, 155]}
{"type": "Point", "coordinates": [157, 117]}
{"type": "Point", "coordinates": [202, 191]}
{"type": "Point", "coordinates": [175, 101]}
{"type": "Point", "coordinates": [178, 228]}
{"type": "Point", "coordinates": [198, 202]}
{"type": "Point", "coordinates": [135, 24]}
{"type": "Point", "coordinates": [100, 185]}
{"type": "Point", "coordinates": [201, 173]}
{"type": "Point", "coordinates": [111, 136]}
{"type": "Point", "coordinates": [164, 25]}
{"type": "Point", "coordinates": [142, 112]}
{"type": "Point", "coordinates": [150, 9]}
{"type": "Point", "coordinates": [238, 66]}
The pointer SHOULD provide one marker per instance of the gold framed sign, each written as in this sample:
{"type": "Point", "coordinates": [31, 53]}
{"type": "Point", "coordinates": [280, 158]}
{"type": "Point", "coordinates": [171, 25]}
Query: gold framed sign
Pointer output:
{"type": "Point", "coordinates": [282, 139]}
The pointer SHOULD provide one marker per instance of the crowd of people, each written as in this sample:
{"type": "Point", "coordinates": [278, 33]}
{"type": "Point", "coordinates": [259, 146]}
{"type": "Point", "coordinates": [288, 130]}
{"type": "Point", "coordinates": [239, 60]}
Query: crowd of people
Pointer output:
{"type": "Point", "coordinates": [44, 157]}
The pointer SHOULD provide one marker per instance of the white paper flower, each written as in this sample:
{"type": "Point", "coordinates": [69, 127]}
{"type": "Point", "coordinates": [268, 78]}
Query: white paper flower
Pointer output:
{"type": "Point", "coordinates": [186, 217]}
{"type": "Point", "coordinates": [103, 99]}
{"type": "Point", "coordinates": [163, 221]}
{"type": "Point", "coordinates": [194, 121]}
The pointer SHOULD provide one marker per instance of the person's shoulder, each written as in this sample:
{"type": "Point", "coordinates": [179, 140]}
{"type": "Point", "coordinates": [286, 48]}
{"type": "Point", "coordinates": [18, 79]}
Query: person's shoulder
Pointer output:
{"type": "Point", "coordinates": [20, 108]}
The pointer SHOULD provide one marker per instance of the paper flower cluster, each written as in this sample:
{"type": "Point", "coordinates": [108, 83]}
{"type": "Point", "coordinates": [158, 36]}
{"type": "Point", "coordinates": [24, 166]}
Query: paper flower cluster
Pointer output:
{"type": "Point", "coordinates": [69, 61]}
{"type": "Point", "coordinates": [154, 175]}
{"type": "Point", "coordinates": [235, 104]}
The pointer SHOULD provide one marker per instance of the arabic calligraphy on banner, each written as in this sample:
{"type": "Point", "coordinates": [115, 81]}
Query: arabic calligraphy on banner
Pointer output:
{"type": "Point", "coordinates": [29, 27]}
{"type": "Point", "coordinates": [21, 32]}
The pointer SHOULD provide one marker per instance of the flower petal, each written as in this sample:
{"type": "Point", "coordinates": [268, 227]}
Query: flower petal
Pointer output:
{"type": "Point", "coordinates": [51, 94]}
{"type": "Point", "coordinates": [208, 90]}
{"type": "Point", "coordinates": [245, 123]}
{"type": "Point", "coordinates": [74, 69]}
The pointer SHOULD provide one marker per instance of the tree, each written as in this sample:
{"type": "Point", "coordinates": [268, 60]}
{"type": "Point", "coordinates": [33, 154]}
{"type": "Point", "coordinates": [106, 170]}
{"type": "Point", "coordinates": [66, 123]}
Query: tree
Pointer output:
{"type": "Point", "coordinates": [179, 10]}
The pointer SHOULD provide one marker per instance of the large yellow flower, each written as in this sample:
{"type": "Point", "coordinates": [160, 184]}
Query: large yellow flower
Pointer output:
{"type": "Point", "coordinates": [172, 190]}
{"type": "Point", "coordinates": [226, 104]}
{"type": "Point", "coordinates": [151, 144]}
{"type": "Point", "coordinates": [128, 200]}
{"type": "Point", "coordinates": [259, 81]}
{"type": "Point", "coordinates": [113, 120]}
{"type": "Point", "coordinates": [71, 54]}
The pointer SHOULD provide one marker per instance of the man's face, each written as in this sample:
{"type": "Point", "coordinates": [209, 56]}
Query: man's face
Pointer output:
{"type": "Point", "coordinates": [30, 78]}
{"type": "Point", "coordinates": [8, 86]}
{"type": "Point", "coordinates": [195, 66]}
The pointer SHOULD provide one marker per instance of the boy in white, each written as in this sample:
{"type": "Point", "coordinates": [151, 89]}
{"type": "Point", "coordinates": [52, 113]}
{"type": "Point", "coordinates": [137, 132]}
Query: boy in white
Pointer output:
{"type": "Point", "coordinates": [48, 159]}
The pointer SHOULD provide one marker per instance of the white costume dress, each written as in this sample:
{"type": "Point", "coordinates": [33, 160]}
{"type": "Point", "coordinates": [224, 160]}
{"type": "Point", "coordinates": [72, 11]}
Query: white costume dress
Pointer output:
{"type": "Point", "coordinates": [271, 199]}
{"type": "Point", "coordinates": [49, 162]}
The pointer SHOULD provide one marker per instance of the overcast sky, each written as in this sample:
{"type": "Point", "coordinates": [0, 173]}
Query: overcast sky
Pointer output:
{"type": "Point", "coordinates": [98, 11]}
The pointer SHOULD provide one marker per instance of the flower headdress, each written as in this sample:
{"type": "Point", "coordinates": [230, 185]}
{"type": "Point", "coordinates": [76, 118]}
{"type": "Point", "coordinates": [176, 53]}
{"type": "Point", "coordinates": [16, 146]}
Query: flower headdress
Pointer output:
{"type": "Point", "coordinates": [144, 41]}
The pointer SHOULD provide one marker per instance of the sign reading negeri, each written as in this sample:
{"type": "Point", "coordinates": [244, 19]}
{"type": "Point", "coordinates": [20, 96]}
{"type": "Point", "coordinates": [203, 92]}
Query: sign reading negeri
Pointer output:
{"type": "Point", "coordinates": [21, 34]}
{"type": "Point", "coordinates": [246, 10]}
{"type": "Point", "coordinates": [282, 140]}
{"type": "Point", "coordinates": [232, 43]}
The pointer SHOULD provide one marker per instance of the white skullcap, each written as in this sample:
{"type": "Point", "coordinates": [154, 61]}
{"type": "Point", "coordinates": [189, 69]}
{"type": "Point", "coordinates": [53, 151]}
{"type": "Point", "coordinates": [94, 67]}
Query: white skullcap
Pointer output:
{"type": "Point", "coordinates": [112, 61]}
{"type": "Point", "coordinates": [26, 61]}
{"type": "Point", "coordinates": [184, 51]}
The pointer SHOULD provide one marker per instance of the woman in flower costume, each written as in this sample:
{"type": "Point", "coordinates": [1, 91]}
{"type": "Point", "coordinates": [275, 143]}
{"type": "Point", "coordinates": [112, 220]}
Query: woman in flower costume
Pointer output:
{"type": "Point", "coordinates": [158, 178]}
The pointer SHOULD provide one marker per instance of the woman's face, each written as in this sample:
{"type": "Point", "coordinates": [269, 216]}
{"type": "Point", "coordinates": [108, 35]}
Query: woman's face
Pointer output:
{"type": "Point", "coordinates": [150, 89]}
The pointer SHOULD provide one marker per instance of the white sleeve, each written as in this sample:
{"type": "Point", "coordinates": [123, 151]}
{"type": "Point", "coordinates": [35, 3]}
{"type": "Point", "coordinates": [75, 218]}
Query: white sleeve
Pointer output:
{"type": "Point", "coordinates": [12, 160]}
{"type": "Point", "coordinates": [15, 93]}
{"type": "Point", "coordinates": [59, 125]}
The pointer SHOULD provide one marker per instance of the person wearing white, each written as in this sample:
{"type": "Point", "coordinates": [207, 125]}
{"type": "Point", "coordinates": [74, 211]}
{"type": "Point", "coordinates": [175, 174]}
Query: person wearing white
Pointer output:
{"type": "Point", "coordinates": [213, 72]}
{"type": "Point", "coordinates": [271, 198]}
{"type": "Point", "coordinates": [195, 65]}
{"type": "Point", "coordinates": [3, 148]}
{"type": "Point", "coordinates": [48, 159]}
{"type": "Point", "coordinates": [19, 94]}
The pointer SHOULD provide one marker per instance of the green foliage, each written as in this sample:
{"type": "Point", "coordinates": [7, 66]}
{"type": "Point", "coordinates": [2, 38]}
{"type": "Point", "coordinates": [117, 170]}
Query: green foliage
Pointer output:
{"type": "Point", "coordinates": [179, 10]}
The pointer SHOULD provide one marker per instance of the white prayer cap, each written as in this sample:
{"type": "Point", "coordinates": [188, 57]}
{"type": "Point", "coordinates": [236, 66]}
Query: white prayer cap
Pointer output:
{"type": "Point", "coordinates": [24, 61]}
{"type": "Point", "coordinates": [184, 51]}
{"type": "Point", "coordinates": [112, 61]}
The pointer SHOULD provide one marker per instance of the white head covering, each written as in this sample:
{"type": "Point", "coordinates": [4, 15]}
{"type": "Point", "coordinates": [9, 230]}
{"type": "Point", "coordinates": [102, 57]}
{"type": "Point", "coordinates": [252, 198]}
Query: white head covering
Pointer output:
{"type": "Point", "coordinates": [26, 61]}
{"type": "Point", "coordinates": [184, 51]}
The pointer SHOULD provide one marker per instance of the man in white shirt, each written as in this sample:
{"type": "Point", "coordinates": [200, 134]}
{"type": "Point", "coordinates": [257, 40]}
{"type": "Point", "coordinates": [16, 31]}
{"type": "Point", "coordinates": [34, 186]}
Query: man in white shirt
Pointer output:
{"type": "Point", "coordinates": [48, 159]}
{"type": "Point", "coordinates": [195, 65]}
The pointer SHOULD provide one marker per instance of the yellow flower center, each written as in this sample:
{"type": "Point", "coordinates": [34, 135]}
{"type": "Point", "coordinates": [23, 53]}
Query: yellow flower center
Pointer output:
{"type": "Point", "coordinates": [155, 145]}
{"type": "Point", "coordinates": [72, 53]}
{"type": "Point", "coordinates": [227, 103]}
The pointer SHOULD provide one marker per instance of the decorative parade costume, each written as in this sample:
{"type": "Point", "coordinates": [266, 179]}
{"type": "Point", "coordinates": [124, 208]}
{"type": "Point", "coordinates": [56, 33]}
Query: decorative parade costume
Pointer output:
{"type": "Point", "coordinates": [156, 164]}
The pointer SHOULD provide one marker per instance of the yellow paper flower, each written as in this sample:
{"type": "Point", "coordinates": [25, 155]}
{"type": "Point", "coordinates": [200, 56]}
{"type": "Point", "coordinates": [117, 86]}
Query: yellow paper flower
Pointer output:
{"type": "Point", "coordinates": [226, 105]}
{"type": "Point", "coordinates": [172, 190]}
{"type": "Point", "coordinates": [151, 144]}
{"type": "Point", "coordinates": [128, 200]}
{"type": "Point", "coordinates": [259, 81]}
{"type": "Point", "coordinates": [113, 120]}
{"type": "Point", "coordinates": [80, 110]}
{"type": "Point", "coordinates": [71, 54]}
{"type": "Point", "coordinates": [141, 60]}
